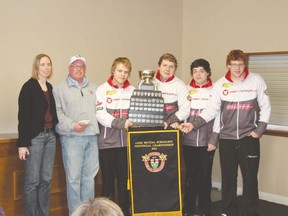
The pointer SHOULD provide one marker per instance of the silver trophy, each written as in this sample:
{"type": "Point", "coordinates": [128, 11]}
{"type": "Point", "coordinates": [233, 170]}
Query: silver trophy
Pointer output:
{"type": "Point", "coordinates": [146, 103]}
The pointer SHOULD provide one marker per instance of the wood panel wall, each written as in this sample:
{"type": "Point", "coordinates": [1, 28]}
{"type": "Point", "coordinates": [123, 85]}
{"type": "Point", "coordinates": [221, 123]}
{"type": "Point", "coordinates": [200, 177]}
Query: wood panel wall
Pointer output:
{"type": "Point", "coordinates": [12, 176]}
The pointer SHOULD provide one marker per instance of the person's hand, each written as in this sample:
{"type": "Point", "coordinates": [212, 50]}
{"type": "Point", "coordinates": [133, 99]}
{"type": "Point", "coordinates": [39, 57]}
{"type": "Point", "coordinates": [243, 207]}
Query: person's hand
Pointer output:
{"type": "Point", "coordinates": [128, 123]}
{"type": "Point", "coordinates": [23, 152]}
{"type": "Point", "coordinates": [253, 134]}
{"type": "Point", "coordinates": [78, 127]}
{"type": "Point", "coordinates": [186, 127]}
{"type": "Point", "coordinates": [211, 147]}
{"type": "Point", "coordinates": [165, 125]}
{"type": "Point", "coordinates": [175, 125]}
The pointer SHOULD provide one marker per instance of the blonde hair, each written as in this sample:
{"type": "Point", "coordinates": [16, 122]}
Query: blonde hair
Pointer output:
{"type": "Point", "coordinates": [121, 60]}
{"type": "Point", "coordinates": [36, 64]}
{"type": "Point", "coordinates": [100, 206]}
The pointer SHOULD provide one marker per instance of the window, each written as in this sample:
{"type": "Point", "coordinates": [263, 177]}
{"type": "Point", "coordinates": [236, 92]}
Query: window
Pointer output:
{"type": "Point", "coordinates": [273, 67]}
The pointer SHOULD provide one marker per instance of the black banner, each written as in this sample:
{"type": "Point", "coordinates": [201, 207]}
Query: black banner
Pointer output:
{"type": "Point", "coordinates": [155, 172]}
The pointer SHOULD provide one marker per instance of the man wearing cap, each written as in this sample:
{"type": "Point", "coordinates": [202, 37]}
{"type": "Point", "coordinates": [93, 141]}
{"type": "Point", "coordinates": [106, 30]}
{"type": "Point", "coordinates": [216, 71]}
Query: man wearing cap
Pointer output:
{"type": "Point", "coordinates": [78, 130]}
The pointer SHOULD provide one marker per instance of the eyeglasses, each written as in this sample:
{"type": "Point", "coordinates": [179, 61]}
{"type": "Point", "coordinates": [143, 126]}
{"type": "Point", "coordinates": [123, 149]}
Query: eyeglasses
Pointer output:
{"type": "Point", "coordinates": [237, 65]}
{"type": "Point", "coordinates": [78, 66]}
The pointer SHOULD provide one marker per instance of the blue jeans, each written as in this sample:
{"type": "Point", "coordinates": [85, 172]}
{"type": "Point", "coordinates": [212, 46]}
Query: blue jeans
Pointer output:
{"type": "Point", "coordinates": [38, 173]}
{"type": "Point", "coordinates": [81, 163]}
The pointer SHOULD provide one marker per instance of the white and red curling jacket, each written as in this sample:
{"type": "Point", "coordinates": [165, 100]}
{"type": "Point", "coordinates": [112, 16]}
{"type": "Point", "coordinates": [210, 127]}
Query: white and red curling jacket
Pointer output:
{"type": "Point", "coordinates": [199, 97]}
{"type": "Point", "coordinates": [175, 95]}
{"type": "Point", "coordinates": [112, 111]}
{"type": "Point", "coordinates": [243, 106]}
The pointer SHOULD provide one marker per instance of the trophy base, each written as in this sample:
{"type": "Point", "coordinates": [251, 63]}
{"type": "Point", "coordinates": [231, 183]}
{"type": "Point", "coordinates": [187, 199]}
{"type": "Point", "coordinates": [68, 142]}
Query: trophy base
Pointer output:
{"type": "Point", "coordinates": [146, 108]}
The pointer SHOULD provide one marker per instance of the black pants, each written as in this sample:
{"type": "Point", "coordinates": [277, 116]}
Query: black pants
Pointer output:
{"type": "Point", "coordinates": [113, 163]}
{"type": "Point", "coordinates": [198, 163]}
{"type": "Point", "coordinates": [245, 153]}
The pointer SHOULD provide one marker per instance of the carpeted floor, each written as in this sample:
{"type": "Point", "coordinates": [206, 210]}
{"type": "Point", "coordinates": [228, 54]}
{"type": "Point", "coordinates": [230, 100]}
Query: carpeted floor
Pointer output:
{"type": "Point", "coordinates": [265, 208]}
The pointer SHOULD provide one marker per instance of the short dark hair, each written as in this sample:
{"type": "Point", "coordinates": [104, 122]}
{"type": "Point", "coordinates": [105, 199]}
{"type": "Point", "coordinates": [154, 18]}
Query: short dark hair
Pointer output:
{"type": "Point", "coordinates": [201, 63]}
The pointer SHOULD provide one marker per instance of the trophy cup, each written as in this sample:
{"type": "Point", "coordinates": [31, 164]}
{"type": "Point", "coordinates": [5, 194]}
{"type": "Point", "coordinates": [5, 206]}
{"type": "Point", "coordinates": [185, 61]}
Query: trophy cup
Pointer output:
{"type": "Point", "coordinates": [146, 76]}
{"type": "Point", "coordinates": [146, 103]}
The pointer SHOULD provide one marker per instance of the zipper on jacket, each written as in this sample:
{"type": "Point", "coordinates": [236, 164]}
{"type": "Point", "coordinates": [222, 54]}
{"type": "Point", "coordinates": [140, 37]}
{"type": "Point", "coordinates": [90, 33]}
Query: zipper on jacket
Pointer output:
{"type": "Point", "coordinates": [255, 118]}
{"type": "Point", "coordinates": [198, 131]}
{"type": "Point", "coordinates": [122, 141]}
{"type": "Point", "coordinates": [237, 129]}
{"type": "Point", "coordinates": [197, 137]}
{"type": "Point", "coordinates": [105, 132]}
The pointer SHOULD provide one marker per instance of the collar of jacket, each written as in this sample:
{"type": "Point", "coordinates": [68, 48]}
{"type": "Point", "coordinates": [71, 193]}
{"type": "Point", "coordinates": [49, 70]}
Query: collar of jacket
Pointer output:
{"type": "Point", "coordinates": [208, 84]}
{"type": "Point", "coordinates": [228, 74]}
{"type": "Point", "coordinates": [73, 82]}
{"type": "Point", "coordinates": [158, 76]}
{"type": "Point", "coordinates": [110, 82]}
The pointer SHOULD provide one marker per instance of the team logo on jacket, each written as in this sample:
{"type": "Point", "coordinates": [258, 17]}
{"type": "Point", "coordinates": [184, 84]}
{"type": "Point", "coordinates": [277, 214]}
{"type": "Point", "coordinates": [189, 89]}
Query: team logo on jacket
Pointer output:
{"type": "Point", "coordinates": [191, 92]}
{"type": "Point", "coordinates": [154, 161]}
{"type": "Point", "coordinates": [111, 92]}
{"type": "Point", "coordinates": [109, 100]}
{"type": "Point", "coordinates": [227, 85]}
{"type": "Point", "coordinates": [225, 92]}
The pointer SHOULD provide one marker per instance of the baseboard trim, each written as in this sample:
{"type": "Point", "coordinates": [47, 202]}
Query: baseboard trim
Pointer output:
{"type": "Point", "coordinates": [263, 195]}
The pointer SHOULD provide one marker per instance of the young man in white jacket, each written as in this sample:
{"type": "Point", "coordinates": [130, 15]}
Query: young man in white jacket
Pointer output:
{"type": "Point", "coordinates": [174, 91]}
{"type": "Point", "coordinates": [113, 102]}
{"type": "Point", "coordinates": [198, 146]}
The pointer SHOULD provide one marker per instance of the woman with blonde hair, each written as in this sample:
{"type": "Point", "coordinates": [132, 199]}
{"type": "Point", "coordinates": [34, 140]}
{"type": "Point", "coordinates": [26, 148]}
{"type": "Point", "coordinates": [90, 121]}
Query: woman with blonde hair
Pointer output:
{"type": "Point", "coordinates": [37, 143]}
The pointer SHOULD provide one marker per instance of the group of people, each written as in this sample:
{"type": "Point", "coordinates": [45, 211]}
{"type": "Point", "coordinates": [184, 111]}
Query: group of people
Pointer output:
{"type": "Point", "coordinates": [240, 107]}
{"type": "Point", "coordinates": [92, 121]}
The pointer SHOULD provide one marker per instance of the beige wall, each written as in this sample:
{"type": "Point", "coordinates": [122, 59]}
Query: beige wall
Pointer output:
{"type": "Point", "coordinates": [210, 30]}
{"type": "Point", "coordinates": [102, 30]}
